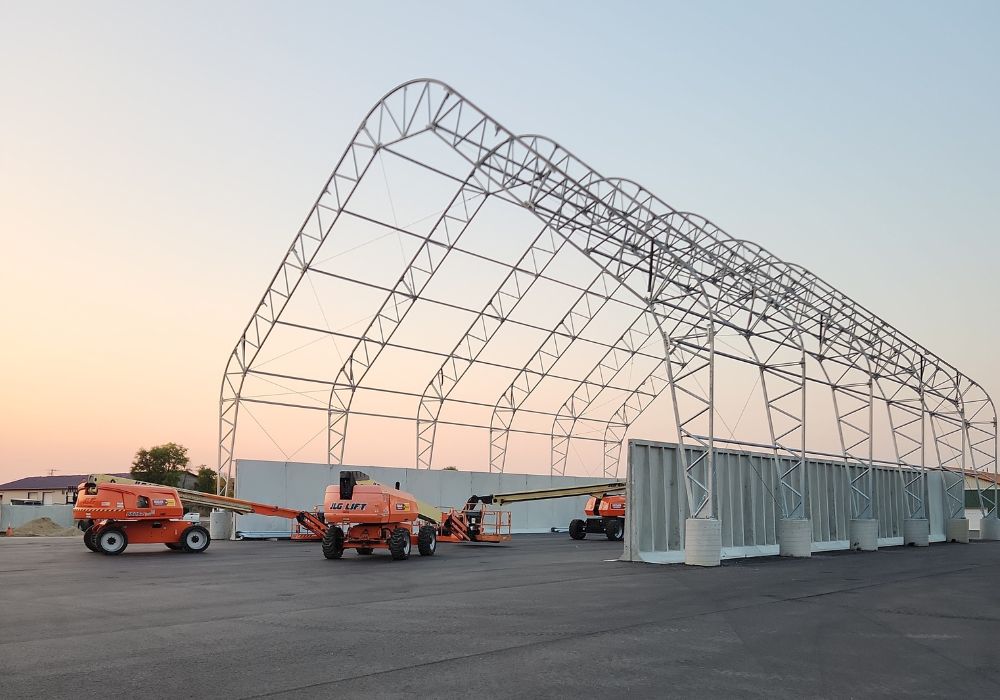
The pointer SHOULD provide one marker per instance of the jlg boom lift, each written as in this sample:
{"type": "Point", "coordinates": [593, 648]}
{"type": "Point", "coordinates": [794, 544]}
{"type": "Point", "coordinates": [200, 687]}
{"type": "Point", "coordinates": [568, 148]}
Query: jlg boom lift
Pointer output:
{"type": "Point", "coordinates": [357, 513]}
{"type": "Point", "coordinates": [604, 514]}
{"type": "Point", "coordinates": [115, 511]}
{"type": "Point", "coordinates": [605, 508]}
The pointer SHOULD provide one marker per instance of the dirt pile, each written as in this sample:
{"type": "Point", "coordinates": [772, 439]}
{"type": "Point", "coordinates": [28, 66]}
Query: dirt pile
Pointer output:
{"type": "Point", "coordinates": [44, 527]}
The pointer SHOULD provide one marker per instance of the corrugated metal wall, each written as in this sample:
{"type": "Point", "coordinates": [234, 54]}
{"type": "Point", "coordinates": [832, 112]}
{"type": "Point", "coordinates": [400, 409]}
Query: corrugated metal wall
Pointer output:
{"type": "Point", "coordinates": [746, 489]}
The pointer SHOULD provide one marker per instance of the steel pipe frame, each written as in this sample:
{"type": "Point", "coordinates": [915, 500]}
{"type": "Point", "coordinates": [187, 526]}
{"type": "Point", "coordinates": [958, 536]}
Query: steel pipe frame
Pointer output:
{"type": "Point", "coordinates": [894, 352]}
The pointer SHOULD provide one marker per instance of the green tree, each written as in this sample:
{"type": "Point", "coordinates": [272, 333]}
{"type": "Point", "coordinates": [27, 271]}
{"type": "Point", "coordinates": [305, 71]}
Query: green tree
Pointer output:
{"type": "Point", "coordinates": [162, 464]}
{"type": "Point", "coordinates": [206, 480]}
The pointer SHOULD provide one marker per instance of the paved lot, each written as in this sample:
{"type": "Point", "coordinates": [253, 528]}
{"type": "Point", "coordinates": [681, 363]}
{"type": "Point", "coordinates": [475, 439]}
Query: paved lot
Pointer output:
{"type": "Point", "coordinates": [543, 617]}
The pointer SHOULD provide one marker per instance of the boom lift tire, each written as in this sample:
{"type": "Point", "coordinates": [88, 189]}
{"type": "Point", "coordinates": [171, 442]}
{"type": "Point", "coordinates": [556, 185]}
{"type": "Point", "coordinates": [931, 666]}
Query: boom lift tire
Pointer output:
{"type": "Point", "coordinates": [88, 540]}
{"type": "Point", "coordinates": [195, 539]}
{"type": "Point", "coordinates": [364, 551]}
{"type": "Point", "coordinates": [399, 543]}
{"type": "Point", "coordinates": [577, 529]}
{"type": "Point", "coordinates": [333, 543]}
{"type": "Point", "coordinates": [614, 529]}
{"type": "Point", "coordinates": [111, 541]}
{"type": "Point", "coordinates": [427, 541]}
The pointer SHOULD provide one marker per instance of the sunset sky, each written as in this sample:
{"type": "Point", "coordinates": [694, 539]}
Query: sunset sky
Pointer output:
{"type": "Point", "coordinates": [156, 160]}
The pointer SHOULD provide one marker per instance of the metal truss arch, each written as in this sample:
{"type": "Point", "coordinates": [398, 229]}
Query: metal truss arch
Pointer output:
{"type": "Point", "coordinates": [691, 286]}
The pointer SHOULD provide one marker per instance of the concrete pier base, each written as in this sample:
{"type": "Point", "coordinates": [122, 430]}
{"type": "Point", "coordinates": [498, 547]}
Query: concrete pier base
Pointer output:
{"type": "Point", "coordinates": [916, 532]}
{"type": "Point", "coordinates": [220, 525]}
{"type": "Point", "coordinates": [989, 528]}
{"type": "Point", "coordinates": [957, 530]}
{"type": "Point", "coordinates": [864, 534]}
{"type": "Point", "coordinates": [795, 537]}
{"type": "Point", "coordinates": [702, 542]}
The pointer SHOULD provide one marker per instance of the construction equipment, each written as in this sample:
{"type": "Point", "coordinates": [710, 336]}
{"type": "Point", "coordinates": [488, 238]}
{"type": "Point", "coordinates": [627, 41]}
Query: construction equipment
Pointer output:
{"type": "Point", "coordinates": [112, 515]}
{"type": "Point", "coordinates": [605, 514]}
{"type": "Point", "coordinates": [114, 511]}
{"type": "Point", "coordinates": [357, 513]}
{"type": "Point", "coordinates": [366, 516]}
{"type": "Point", "coordinates": [606, 506]}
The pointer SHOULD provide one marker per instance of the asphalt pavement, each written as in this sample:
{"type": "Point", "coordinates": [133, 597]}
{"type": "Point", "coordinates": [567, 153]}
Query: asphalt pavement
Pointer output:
{"type": "Point", "coordinates": [543, 616]}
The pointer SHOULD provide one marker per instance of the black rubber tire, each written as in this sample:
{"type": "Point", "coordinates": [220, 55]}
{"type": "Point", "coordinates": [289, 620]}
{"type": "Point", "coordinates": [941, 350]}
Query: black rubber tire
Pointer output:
{"type": "Point", "coordinates": [333, 543]}
{"type": "Point", "coordinates": [427, 540]}
{"type": "Point", "coordinates": [195, 539]}
{"type": "Point", "coordinates": [578, 529]}
{"type": "Point", "coordinates": [399, 543]}
{"type": "Point", "coordinates": [88, 540]}
{"type": "Point", "coordinates": [365, 551]}
{"type": "Point", "coordinates": [111, 541]}
{"type": "Point", "coordinates": [173, 546]}
{"type": "Point", "coordinates": [614, 529]}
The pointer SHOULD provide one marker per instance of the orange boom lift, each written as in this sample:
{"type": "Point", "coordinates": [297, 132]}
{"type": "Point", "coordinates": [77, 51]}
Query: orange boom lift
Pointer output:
{"type": "Point", "coordinates": [604, 514]}
{"type": "Point", "coordinates": [605, 507]}
{"type": "Point", "coordinates": [356, 514]}
{"type": "Point", "coordinates": [115, 511]}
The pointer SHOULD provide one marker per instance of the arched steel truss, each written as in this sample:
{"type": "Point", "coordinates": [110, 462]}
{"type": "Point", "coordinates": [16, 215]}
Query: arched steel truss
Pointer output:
{"type": "Point", "coordinates": [690, 284]}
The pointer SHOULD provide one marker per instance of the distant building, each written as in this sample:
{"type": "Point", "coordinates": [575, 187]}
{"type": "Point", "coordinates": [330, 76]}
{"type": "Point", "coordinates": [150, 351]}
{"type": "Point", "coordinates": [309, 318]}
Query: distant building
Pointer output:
{"type": "Point", "coordinates": [43, 490]}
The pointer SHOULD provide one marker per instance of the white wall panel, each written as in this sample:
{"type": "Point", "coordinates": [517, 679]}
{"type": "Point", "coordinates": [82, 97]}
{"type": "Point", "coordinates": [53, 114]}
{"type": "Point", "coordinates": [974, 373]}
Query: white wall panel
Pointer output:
{"type": "Point", "coordinates": [746, 488]}
{"type": "Point", "coordinates": [301, 485]}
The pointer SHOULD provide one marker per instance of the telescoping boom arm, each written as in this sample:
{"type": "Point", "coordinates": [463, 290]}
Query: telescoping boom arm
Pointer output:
{"type": "Point", "coordinates": [601, 490]}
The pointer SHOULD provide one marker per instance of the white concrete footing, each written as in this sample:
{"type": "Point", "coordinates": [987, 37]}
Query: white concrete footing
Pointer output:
{"type": "Point", "coordinates": [795, 537]}
{"type": "Point", "coordinates": [220, 525]}
{"type": "Point", "coordinates": [958, 530]}
{"type": "Point", "coordinates": [989, 528]}
{"type": "Point", "coordinates": [702, 542]}
{"type": "Point", "coordinates": [916, 531]}
{"type": "Point", "coordinates": [864, 534]}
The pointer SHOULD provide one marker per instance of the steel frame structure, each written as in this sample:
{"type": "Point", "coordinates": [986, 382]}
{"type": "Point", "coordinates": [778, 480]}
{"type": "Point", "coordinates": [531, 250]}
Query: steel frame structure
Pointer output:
{"type": "Point", "coordinates": [691, 287]}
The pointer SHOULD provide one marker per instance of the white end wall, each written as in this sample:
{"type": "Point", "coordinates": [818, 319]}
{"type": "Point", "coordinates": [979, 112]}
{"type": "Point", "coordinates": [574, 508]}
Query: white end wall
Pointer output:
{"type": "Point", "coordinates": [302, 485]}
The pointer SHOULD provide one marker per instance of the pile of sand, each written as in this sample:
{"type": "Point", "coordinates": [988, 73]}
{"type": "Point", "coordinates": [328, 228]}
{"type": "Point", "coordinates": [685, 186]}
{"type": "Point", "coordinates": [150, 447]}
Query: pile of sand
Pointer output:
{"type": "Point", "coordinates": [44, 527]}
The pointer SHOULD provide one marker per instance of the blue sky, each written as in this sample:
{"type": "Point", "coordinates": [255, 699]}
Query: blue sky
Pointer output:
{"type": "Point", "coordinates": [155, 160]}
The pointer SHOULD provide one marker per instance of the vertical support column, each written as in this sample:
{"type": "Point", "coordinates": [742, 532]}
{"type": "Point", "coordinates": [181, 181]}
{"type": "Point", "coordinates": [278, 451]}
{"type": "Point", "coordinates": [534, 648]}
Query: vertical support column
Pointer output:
{"type": "Point", "coordinates": [948, 430]}
{"type": "Point", "coordinates": [957, 529]}
{"type": "Point", "coordinates": [989, 526]}
{"type": "Point", "coordinates": [854, 434]}
{"type": "Point", "coordinates": [916, 526]}
{"type": "Point", "coordinates": [688, 357]}
{"type": "Point", "coordinates": [907, 420]}
{"type": "Point", "coordinates": [785, 401]}
{"type": "Point", "coordinates": [864, 528]}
